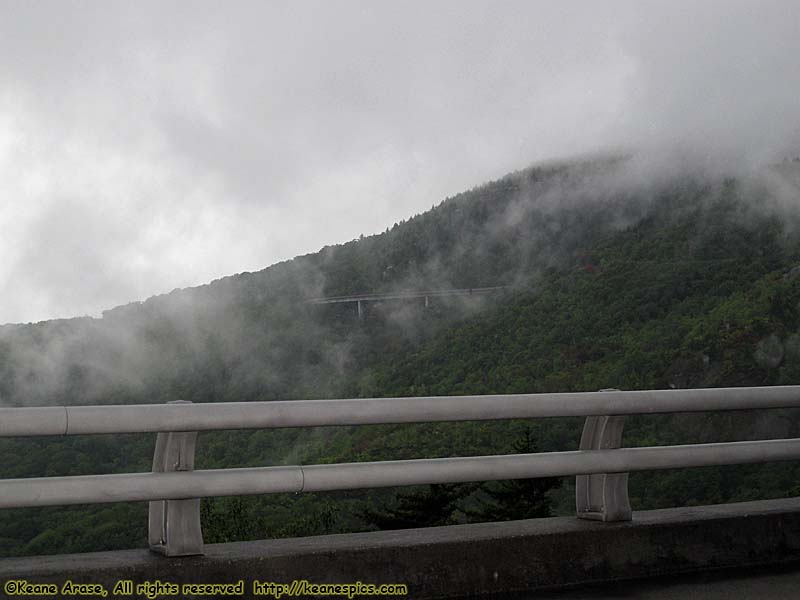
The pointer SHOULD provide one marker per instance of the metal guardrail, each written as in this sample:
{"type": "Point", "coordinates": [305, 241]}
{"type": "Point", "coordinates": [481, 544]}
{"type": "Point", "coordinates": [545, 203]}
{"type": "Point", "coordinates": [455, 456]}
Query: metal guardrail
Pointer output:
{"type": "Point", "coordinates": [174, 488]}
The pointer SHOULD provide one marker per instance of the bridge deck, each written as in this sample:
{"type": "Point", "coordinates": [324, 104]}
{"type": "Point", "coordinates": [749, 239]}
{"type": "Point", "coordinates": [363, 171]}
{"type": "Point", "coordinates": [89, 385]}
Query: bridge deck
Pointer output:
{"type": "Point", "coordinates": [780, 582]}
{"type": "Point", "coordinates": [405, 295]}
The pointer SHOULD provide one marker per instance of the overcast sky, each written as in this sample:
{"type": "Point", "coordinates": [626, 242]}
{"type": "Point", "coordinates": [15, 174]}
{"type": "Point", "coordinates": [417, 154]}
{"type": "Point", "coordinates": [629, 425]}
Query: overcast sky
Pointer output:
{"type": "Point", "coordinates": [151, 145]}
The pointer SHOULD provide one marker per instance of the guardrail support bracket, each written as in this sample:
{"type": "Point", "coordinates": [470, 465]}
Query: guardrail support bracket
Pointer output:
{"type": "Point", "coordinates": [603, 496]}
{"type": "Point", "coordinates": [174, 525]}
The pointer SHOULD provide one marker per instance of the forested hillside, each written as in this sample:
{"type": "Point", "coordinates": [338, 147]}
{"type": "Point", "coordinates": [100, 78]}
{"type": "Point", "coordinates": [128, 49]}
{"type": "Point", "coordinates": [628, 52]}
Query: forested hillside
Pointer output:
{"type": "Point", "coordinates": [614, 279]}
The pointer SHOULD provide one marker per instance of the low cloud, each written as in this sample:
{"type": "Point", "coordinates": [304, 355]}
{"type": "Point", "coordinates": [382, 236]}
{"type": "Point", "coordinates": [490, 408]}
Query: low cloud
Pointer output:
{"type": "Point", "coordinates": [156, 145]}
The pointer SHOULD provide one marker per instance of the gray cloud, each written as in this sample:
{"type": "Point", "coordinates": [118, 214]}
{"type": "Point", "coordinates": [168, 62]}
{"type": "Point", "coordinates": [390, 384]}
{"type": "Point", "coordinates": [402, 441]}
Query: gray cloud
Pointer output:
{"type": "Point", "coordinates": [150, 145]}
{"type": "Point", "coordinates": [716, 81]}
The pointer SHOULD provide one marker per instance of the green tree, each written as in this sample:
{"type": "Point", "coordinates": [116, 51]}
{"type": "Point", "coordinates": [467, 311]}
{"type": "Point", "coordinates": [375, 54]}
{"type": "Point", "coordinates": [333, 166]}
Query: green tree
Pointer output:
{"type": "Point", "coordinates": [518, 498]}
{"type": "Point", "coordinates": [428, 506]}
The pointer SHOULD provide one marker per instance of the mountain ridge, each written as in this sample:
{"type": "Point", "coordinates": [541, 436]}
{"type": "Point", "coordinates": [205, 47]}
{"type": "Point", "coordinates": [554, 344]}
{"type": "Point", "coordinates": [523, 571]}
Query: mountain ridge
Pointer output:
{"type": "Point", "coordinates": [616, 282]}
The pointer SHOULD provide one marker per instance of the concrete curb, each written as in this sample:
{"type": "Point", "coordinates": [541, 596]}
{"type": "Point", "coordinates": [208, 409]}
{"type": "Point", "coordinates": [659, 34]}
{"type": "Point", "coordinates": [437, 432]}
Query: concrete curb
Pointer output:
{"type": "Point", "coordinates": [464, 560]}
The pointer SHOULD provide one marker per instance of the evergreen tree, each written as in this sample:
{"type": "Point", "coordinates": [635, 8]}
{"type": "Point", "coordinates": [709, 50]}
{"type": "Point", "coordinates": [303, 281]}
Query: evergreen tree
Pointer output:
{"type": "Point", "coordinates": [518, 498]}
{"type": "Point", "coordinates": [427, 506]}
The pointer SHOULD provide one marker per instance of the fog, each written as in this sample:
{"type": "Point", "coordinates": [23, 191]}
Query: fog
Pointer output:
{"type": "Point", "coordinates": [152, 145]}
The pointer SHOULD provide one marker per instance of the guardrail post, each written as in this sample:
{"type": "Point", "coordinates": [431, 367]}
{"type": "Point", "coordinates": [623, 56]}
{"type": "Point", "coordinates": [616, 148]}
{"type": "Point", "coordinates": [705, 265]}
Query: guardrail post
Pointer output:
{"type": "Point", "coordinates": [174, 525]}
{"type": "Point", "coordinates": [603, 496]}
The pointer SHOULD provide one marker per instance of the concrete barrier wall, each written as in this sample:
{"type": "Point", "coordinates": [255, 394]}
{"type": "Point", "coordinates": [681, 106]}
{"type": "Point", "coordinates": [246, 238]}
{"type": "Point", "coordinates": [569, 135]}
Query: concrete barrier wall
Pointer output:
{"type": "Point", "coordinates": [462, 560]}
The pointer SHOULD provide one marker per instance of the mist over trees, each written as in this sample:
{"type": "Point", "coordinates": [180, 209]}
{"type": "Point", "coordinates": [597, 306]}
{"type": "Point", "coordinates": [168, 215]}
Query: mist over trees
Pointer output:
{"type": "Point", "coordinates": [613, 280]}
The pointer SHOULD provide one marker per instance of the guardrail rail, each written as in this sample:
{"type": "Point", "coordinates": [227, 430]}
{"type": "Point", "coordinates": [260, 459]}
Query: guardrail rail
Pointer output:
{"type": "Point", "coordinates": [174, 488]}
